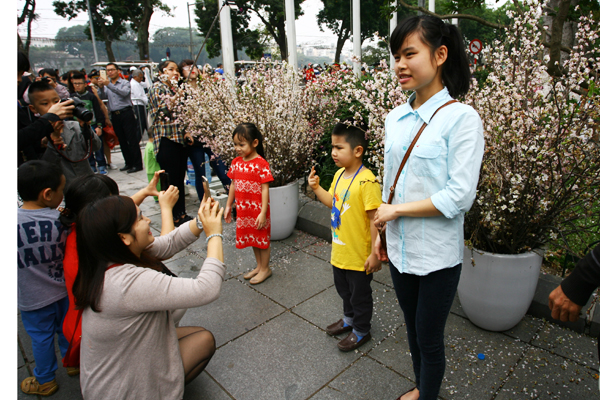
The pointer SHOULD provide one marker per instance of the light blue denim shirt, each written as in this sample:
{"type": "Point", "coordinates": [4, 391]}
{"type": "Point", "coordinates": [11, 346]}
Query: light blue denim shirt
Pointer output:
{"type": "Point", "coordinates": [444, 166]}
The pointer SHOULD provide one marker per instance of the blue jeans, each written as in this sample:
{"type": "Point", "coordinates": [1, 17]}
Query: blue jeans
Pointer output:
{"type": "Point", "coordinates": [196, 155]}
{"type": "Point", "coordinates": [41, 325]}
{"type": "Point", "coordinates": [97, 156]}
{"type": "Point", "coordinates": [426, 302]}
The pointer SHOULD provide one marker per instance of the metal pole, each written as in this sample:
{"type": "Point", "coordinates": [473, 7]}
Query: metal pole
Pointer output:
{"type": "Point", "coordinates": [190, 22]}
{"type": "Point", "coordinates": [393, 24]}
{"type": "Point", "coordinates": [432, 5]}
{"type": "Point", "coordinates": [227, 42]}
{"type": "Point", "coordinates": [421, 3]}
{"type": "Point", "coordinates": [290, 21]}
{"type": "Point", "coordinates": [92, 30]}
{"type": "Point", "coordinates": [356, 35]}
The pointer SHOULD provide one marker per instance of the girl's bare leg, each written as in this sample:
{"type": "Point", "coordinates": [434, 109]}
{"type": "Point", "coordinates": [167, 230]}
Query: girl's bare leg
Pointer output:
{"type": "Point", "coordinates": [197, 346]}
{"type": "Point", "coordinates": [107, 152]}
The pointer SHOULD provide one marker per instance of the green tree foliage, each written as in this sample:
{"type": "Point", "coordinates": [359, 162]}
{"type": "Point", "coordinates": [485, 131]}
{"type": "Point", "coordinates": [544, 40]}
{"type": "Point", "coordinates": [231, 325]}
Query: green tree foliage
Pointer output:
{"type": "Point", "coordinates": [110, 16]}
{"type": "Point", "coordinates": [336, 15]}
{"type": "Point", "coordinates": [272, 15]}
{"type": "Point", "coordinates": [244, 39]}
{"type": "Point", "coordinates": [372, 55]}
{"type": "Point", "coordinates": [178, 41]}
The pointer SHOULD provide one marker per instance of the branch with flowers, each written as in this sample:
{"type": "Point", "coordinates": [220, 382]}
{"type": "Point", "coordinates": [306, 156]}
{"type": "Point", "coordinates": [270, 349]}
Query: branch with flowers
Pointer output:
{"type": "Point", "coordinates": [540, 177]}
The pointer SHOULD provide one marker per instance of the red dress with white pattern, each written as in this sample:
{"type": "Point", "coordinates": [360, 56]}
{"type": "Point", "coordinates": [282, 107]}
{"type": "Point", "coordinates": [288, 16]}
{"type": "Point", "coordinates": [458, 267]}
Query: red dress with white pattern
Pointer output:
{"type": "Point", "coordinates": [248, 177]}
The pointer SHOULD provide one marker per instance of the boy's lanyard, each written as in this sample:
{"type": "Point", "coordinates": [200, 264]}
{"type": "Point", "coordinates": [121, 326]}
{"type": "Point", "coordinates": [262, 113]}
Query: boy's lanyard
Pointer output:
{"type": "Point", "coordinates": [336, 215]}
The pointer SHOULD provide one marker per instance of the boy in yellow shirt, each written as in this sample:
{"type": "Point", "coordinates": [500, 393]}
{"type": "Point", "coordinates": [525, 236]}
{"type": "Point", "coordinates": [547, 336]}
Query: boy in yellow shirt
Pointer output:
{"type": "Point", "coordinates": [354, 197]}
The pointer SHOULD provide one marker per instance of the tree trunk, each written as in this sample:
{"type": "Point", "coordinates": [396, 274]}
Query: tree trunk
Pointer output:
{"type": "Point", "coordinates": [143, 33]}
{"type": "Point", "coordinates": [109, 50]}
{"type": "Point", "coordinates": [281, 40]}
{"type": "Point", "coordinates": [557, 25]}
{"type": "Point", "coordinates": [341, 40]}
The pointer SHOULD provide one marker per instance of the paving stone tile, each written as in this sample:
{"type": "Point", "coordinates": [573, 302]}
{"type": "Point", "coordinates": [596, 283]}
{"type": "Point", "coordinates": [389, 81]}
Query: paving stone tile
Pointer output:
{"type": "Point", "coordinates": [25, 341]}
{"type": "Point", "coordinates": [457, 307]}
{"type": "Point", "coordinates": [299, 239]}
{"type": "Point", "coordinates": [525, 330]}
{"type": "Point", "coordinates": [321, 249]}
{"type": "Point", "coordinates": [296, 278]}
{"type": "Point", "coordinates": [384, 276]}
{"type": "Point", "coordinates": [368, 379]}
{"type": "Point", "coordinates": [569, 344]}
{"type": "Point", "coordinates": [326, 308]}
{"type": "Point", "coordinates": [286, 358]}
{"type": "Point", "coordinates": [542, 375]}
{"type": "Point", "coordinates": [186, 262]}
{"type": "Point", "coordinates": [328, 393]}
{"type": "Point", "coordinates": [69, 387]}
{"type": "Point", "coordinates": [204, 388]}
{"type": "Point", "coordinates": [465, 373]}
{"type": "Point", "coordinates": [238, 309]}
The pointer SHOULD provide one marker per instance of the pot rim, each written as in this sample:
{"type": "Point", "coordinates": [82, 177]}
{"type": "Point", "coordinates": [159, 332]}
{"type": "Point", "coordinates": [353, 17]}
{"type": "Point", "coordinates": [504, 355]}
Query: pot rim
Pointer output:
{"type": "Point", "coordinates": [538, 252]}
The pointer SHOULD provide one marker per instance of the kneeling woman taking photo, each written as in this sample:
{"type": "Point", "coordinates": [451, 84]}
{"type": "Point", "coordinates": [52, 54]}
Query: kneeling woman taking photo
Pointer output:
{"type": "Point", "coordinates": [130, 347]}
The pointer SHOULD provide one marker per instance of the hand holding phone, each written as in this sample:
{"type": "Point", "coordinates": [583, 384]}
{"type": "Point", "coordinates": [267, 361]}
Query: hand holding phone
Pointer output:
{"type": "Point", "coordinates": [164, 180]}
{"type": "Point", "coordinates": [206, 188]}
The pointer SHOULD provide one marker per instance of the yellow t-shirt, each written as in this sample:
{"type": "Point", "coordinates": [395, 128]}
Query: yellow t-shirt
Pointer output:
{"type": "Point", "coordinates": [351, 241]}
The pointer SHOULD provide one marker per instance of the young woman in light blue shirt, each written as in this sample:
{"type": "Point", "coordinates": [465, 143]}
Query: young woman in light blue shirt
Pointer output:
{"type": "Point", "coordinates": [436, 187]}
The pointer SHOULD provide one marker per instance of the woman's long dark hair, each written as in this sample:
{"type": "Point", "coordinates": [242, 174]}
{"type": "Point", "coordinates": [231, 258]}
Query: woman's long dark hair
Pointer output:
{"type": "Point", "coordinates": [434, 32]}
{"type": "Point", "coordinates": [84, 190]}
{"type": "Point", "coordinates": [99, 246]}
{"type": "Point", "coordinates": [249, 132]}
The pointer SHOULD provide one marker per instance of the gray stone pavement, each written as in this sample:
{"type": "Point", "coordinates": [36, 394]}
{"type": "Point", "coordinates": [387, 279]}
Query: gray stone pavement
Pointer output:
{"type": "Point", "coordinates": [271, 342]}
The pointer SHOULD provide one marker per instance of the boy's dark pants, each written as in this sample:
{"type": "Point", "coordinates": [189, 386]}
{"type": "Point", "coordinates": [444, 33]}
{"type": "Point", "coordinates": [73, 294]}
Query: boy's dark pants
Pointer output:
{"type": "Point", "coordinates": [354, 287]}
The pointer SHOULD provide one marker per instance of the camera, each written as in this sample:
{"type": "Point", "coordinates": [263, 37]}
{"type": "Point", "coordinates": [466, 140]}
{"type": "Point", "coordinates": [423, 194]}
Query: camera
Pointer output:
{"type": "Point", "coordinates": [80, 112]}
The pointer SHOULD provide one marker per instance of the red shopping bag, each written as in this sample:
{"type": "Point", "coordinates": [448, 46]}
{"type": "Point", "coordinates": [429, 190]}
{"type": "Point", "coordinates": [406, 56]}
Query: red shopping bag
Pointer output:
{"type": "Point", "coordinates": [110, 136]}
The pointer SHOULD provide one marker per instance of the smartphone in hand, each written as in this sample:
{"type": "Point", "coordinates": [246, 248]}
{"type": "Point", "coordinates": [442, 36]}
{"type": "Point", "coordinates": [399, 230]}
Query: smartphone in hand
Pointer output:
{"type": "Point", "coordinates": [103, 73]}
{"type": "Point", "coordinates": [206, 188]}
{"type": "Point", "coordinates": [164, 180]}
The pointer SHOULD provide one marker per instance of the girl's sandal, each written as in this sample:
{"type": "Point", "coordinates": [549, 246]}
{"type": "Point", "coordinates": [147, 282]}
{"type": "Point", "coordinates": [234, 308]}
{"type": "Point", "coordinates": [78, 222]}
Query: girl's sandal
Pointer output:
{"type": "Point", "coordinates": [30, 385]}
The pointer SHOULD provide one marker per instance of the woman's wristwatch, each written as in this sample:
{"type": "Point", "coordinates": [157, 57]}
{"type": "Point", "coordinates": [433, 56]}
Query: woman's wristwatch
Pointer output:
{"type": "Point", "coordinates": [199, 224]}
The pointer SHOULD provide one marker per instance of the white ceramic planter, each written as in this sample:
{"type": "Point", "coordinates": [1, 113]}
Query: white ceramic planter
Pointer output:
{"type": "Point", "coordinates": [284, 210]}
{"type": "Point", "coordinates": [495, 290]}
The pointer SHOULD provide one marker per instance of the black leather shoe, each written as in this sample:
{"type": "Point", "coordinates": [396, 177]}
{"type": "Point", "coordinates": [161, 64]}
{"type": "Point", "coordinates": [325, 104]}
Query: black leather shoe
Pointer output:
{"type": "Point", "coordinates": [125, 168]}
{"type": "Point", "coordinates": [337, 328]}
{"type": "Point", "coordinates": [135, 169]}
{"type": "Point", "coordinates": [351, 342]}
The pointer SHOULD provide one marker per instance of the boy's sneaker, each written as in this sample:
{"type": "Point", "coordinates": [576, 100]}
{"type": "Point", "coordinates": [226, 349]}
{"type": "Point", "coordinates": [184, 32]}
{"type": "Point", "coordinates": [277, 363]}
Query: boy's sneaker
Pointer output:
{"type": "Point", "coordinates": [102, 170]}
{"type": "Point", "coordinates": [30, 385]}
{"type": "Point", "coordinates": [112, 166]}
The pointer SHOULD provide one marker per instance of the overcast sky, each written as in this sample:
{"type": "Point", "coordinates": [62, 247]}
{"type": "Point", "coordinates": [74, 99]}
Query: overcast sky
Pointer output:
{"type": "Point", "coordinates": [307, 29]}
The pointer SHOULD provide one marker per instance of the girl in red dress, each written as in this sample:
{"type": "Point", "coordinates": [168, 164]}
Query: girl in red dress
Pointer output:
{"type": "Point", "coordinates": [250, 175]}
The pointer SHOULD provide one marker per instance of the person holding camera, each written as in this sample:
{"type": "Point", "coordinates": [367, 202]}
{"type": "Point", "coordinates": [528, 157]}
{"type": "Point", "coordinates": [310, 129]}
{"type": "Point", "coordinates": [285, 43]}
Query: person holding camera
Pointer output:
{"type": "Point", "coordinates": [33, 132]}
{"type": "Point", "coordinates": [77, 138]}
{"type": "Point", "coordinates": [82, 91]}
{"type": "Point", "coordinates": [123, 119]}
{"type": "Point", "coordinates": [50, 76]}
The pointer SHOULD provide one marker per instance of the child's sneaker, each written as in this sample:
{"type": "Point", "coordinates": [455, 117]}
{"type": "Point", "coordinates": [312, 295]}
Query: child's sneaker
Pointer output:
{"type": "Point", "coordinates": [102, 170]}
{"type": "Point", "coordinates": [72, 371]}
{"type": "Point", "coordinates": [30, 385]}
{"type": "Point", "coordinates": [112, 166]}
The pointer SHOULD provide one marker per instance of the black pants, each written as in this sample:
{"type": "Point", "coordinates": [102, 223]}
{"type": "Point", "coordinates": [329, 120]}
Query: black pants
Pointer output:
{"type": "Point", "coordinates": [142, 120]}
{"type": "Point", "coordinates": [124, 124]}
{"type": "Point", "coordinates": [426, 302]}
{"type": "Point", "coordinates": [172, 157]}
{"type": "Point", "coordinates": [354, 287]}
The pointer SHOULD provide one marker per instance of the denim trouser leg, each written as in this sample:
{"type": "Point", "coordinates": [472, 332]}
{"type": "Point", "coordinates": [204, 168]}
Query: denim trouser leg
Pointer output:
{"type": "Point", "coordinates": [196, 155]}
{"type": "Point", "coordinates": [426, 302]}
{"type": "Point", "coordinates": [220, 169]}
{"type": "Point", "coordinates": [41, 325]}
